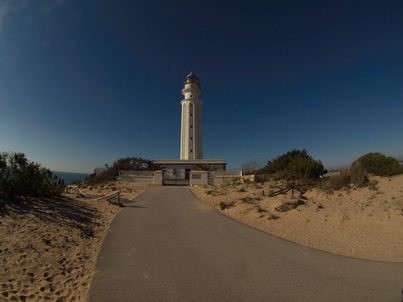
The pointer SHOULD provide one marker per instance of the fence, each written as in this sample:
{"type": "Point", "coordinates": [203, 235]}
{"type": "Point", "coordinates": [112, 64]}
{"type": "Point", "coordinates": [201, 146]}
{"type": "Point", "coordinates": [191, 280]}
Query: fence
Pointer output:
{"type": "Point", "coordinates": [251, 166]}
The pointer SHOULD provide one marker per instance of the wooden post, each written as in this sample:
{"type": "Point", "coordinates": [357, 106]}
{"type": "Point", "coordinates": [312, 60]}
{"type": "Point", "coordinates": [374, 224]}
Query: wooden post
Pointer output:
{"type": "Point", "coordinates": [120, 205]}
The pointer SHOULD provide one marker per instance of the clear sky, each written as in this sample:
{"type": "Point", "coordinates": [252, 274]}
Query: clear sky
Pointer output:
{"type": "Point", "coordinates": [83, 83]}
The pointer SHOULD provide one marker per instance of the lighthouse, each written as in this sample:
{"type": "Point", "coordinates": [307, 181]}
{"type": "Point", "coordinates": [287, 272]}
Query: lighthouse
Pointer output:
{"type": "Point", "coordinates": [191, 168]}
{"type": "Point", "coordinates": [191, 125]}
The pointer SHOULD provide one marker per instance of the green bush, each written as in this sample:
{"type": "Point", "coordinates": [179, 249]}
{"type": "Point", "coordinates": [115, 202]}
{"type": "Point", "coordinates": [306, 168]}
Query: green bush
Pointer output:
{"type": "Point", "coordinates": [19, 177]}
{"type": "Point", "coordinates": [294, 164]}
{"type": "Point", "coordinates": [379, 164]}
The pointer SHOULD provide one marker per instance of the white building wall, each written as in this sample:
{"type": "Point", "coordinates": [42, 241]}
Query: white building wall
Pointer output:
{"type": "Point", "coordinates": [184, 132]}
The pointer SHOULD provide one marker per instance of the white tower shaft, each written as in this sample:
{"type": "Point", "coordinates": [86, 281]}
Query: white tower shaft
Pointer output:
{"type": "Point", "coordinates": [191, 126]}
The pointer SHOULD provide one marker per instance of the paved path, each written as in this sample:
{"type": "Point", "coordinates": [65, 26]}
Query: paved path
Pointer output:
{"type": "Point", "coordinates": [169, 247]}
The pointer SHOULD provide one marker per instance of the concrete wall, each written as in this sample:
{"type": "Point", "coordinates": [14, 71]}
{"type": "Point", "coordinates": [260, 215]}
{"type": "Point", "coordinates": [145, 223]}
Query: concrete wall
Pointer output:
{"type": "Point", "coordinates": [198, 178]}
{"type": "Point", "coordinates": [158, 177]}
{"type": "Point", "coordinates": [137, 176]}
{"type": "Point", "coordinates": [221, 177]}
{"type": "Point", "coordinates": [195, 177]}
{"type": "Point", "coordinates": [141, 179]}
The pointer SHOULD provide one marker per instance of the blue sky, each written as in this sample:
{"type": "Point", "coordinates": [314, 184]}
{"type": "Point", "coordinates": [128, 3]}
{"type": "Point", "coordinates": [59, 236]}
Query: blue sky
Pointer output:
{"type": "Point", "coordinates": [83, 83]}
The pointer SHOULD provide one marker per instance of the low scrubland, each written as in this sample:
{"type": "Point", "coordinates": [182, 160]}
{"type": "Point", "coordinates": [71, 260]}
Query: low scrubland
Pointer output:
{"type": "Point", "coordinates": [351, 212]}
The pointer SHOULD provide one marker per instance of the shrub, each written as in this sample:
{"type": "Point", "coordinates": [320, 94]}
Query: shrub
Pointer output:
{"type": "Point", "coordinates": [260, 178]}
{"type": "Point", "coordinates": [211, 192]}
{"type": "Point", "coordinates": [76, 182]}
{"type": "Point", "coordinates": [19, 177]}
{"type": "Point", "coordinates": [294, 164]}
{"type": "Point", "coordinates": [337, 182]}
{"type": "Point", "coordinates": [127, 163]}
{"type": "Point", "coordinates": [355, 175]}
{"type": "Point", "coordinates": [359, 176]}
{"type": "Point", "coordinates": [379, 164]}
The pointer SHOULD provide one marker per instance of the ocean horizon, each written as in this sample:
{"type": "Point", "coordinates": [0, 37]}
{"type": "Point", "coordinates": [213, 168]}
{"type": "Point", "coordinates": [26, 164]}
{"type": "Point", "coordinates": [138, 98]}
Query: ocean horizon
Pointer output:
{"type": "Point", "coordinates": [71, 176]}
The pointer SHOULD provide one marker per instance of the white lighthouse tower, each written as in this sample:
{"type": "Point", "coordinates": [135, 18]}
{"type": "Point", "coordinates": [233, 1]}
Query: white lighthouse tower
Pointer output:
{"type": "Point", "coordinates": [191, 126]}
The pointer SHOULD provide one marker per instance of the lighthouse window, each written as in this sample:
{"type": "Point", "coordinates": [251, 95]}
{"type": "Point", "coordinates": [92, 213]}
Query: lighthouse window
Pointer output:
{"type": "Point", "coordinates": [191, 150]}
{"type": "Point", "coordinates": [191, 126]}
{"type": "Point", "coordinates": [191, 137]}
{"type": "Point", "coordinates": [191, 96]}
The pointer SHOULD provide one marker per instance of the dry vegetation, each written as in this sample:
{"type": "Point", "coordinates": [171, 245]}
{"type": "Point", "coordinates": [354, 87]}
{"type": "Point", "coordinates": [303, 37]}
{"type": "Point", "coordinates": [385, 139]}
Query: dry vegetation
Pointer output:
{"type": "Point", "coordinates": [363, 222]}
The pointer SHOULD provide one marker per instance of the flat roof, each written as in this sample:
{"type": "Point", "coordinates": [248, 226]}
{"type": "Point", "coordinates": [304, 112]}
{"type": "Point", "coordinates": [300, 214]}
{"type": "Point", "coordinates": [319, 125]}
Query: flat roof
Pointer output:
{"type": "Point", "coordinates": [189, 161]}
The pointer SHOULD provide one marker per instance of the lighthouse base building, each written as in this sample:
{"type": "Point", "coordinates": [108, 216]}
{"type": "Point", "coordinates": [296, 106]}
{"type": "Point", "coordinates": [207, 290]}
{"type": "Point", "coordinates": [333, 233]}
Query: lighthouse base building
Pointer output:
{"type": "Point", "coordinates": [191, 168]}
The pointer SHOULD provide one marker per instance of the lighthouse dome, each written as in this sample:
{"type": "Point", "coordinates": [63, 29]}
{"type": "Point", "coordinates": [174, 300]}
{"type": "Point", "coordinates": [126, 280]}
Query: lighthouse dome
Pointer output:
{"type": "Point", "coordinates": [191, 78]}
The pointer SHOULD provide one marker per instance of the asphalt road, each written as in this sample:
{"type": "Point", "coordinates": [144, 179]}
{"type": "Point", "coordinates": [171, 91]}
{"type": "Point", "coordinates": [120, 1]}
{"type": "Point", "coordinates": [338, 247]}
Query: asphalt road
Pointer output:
{"type": "Point", "coordinates": [168, 247]}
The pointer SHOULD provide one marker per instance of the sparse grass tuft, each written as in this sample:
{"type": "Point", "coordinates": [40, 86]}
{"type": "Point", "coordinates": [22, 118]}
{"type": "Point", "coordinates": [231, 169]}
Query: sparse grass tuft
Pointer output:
{"type": "Point", "coordinates": [372, 185]}
{"type": "Point", "coordinates": [260, 210]}
{"type": "Point", "coordinates": [224, 205]}
{"type": "Point", "coordinates": [47, 241]}
{"type": "Point", "coordinates": [273, 217]}
{"type": "Point", "coordinates": [249, 199]}
{"type": "Point", "coordinates": [287, 206]}
{"type": "Point", "coordinates": [85, 230]}
{"type": "Point", "coordinates": [214, 193]}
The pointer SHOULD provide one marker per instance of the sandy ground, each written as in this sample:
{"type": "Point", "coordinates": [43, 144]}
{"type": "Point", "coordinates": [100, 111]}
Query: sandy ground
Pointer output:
{"type": "Point", "coordinates": [364, 223]}
{"type": "Point", "coordinates": [48, 247]}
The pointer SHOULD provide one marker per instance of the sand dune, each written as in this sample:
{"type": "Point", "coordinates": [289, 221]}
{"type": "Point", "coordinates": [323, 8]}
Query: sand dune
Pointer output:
{"type": "Point", "coordinates": [48, 248]}
{"type": "Point", "coordinates": [364, 223]}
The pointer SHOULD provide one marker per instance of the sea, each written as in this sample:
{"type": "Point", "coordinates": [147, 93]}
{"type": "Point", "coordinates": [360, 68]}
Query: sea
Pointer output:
{"type": "Point", "coordinates": [70, 176]}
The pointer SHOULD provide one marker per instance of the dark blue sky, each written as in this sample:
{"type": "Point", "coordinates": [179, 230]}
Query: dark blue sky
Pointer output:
{"type": "Point", "coordinates": [83, 83]}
